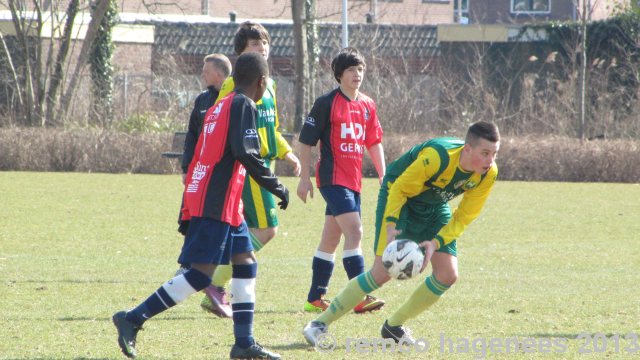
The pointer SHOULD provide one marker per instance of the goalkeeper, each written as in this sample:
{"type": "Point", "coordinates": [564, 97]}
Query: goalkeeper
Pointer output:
{"type": "Point", "coordinates": [413, 204]}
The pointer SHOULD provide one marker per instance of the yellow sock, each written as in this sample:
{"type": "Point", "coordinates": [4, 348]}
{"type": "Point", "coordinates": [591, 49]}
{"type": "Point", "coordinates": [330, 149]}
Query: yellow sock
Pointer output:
{"type": "Point", "coordinates": [222, 276]}
{"type": "Point", "coordinates": [425, 295]}
{"type": "Point", "coordinates": [224, 273]}
{"type": "Point", "coordinates": [349, 297]}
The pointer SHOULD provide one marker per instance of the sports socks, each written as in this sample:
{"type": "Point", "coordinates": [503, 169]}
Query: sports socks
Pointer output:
{"type": "Point", "coordinates": [350, 296]}
{"type": "Point", "coordinates": [425, 295]}
{"type": "Point", "coordinates": [223, 273]}
{"type": "Point", "coordinates": [322, 268]}
{"type": "Point", "coordinates": [353, 262]}
{"type": "Point", "coordinates": [168, 295]}
{"type": "Point", "coordinates": [243, 298]}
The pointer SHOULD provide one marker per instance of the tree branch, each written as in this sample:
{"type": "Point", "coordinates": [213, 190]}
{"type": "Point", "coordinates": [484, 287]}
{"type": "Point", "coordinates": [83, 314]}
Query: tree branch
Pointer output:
{"type": "Point", "coordinates": [94, 24]}
{"type": "Point", "coordinates": [13, 69]}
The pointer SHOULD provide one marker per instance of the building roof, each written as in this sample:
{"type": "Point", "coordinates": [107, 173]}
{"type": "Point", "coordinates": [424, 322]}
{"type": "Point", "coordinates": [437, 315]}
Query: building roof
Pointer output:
{"type": "Point", "coordinates": [198, 39]}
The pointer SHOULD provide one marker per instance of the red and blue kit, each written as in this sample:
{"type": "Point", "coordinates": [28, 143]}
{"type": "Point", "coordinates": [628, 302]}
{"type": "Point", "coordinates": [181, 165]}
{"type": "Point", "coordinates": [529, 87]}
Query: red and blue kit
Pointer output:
{"type": "Point", "coordinates": [228, 148]}
{"type": "Point", "coordinates": [345, 129]}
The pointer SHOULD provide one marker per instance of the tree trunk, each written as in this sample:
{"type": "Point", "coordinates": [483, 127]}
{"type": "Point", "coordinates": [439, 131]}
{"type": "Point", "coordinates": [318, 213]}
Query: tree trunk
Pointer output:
{"type": "Point", "coordinates": [14, 74]}
{"type": "Point", "coordinates": [313, 51]}
{"type": "Point", "coordinates": [94, 24]}
{"type": "Point", "coordinates": [25, 116]}
{"type": "Point", "coordinates": [58, 71]}
{"type": "Point", "coordinates": [301, 67]}
{"type": "Point", "coordinates": [38, 78]}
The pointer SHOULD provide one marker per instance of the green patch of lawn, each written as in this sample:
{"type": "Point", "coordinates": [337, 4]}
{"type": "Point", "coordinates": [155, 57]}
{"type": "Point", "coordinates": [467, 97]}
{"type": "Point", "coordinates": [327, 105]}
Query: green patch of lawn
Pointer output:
{"type": "Point", "coordinates": [545, 261]}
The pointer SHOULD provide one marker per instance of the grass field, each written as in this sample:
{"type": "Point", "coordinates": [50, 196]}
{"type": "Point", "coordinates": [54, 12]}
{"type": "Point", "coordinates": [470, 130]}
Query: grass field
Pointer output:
{"type": "Point", "coordinates": [545, 262]}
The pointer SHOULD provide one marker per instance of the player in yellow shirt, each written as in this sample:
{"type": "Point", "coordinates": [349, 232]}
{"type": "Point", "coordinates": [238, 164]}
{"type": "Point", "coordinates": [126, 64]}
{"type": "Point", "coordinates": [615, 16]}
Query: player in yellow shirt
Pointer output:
{"type": "Point", "coordinates": [413, 204]}
{"type": "Point", "coordinates": [259, 205]}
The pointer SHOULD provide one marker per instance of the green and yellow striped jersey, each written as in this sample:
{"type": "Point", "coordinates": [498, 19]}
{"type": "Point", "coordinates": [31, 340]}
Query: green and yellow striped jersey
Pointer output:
{"type": "Point", "coordinates": [272, 144]}
{"type": "Point", "coordinates": [429, 174]}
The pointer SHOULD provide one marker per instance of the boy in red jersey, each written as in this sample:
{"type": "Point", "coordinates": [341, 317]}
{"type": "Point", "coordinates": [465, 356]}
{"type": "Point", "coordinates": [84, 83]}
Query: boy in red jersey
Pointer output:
{"type": "Point", "coordinates": [228, 148]}
{"type": "Point", "coordinates": [345, 122]}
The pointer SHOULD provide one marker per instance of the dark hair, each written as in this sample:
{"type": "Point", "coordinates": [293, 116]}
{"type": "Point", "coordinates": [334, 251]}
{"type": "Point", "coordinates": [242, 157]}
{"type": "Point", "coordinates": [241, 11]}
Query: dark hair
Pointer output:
{"type": "Point", "coordinates": [346, 58]}
{"type": "Point", "coordinates": [482, 130]}
{"type": "Point", "coordinates": [249, 30]}
{"type": "Point", "coordinates": [221, 62]}
{"type": "Point", "coordinates": [249, 68]}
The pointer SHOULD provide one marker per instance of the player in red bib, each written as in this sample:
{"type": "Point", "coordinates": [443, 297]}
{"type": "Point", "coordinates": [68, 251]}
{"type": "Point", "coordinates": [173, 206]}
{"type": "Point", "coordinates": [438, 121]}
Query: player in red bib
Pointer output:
{"type": "Point", "coordinates": [228, 148]}
{"type": "Point", "coordinates": [345, 122]}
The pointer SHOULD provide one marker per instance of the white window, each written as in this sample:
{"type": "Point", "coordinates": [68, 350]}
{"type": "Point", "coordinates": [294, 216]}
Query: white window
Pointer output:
{"type": "Point", "coordinates": [465, 5]}
{"type": "Point", "coordinates": [530, 6]}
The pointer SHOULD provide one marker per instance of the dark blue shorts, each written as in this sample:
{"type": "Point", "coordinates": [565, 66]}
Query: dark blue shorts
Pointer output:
{"type": "Point", "coordinates": [340, 200]}
{"type": "Point", "coordinates": [210, 241]}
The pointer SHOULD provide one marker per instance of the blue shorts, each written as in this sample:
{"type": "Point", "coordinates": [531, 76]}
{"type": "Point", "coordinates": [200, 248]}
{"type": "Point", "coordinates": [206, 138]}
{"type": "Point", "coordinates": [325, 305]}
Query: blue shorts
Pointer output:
{"type": "Point", "coordinates": [340, 200]}
{"type": "Point", "coordinates": [210, 241]}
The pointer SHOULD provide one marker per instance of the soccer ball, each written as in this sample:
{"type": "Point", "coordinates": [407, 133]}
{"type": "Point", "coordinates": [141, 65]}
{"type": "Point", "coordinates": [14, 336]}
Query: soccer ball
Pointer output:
{"type": "Point", "coordinates": [402, 259]}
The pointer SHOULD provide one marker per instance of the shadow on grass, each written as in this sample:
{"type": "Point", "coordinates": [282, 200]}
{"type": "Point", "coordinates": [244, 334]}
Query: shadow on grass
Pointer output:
{"type": "Point", "coordinates": [277, 312]}
{"type": "Point", "coordinates": [294, 346]}
{"type": "Point", "coordinates": [79, 281]}
{"type": "Point", "coordinates": [87, 318]}
{"type": "Point", "coordinates": [567, 336]}
{"type": "Point", "coordinates": [75, 358]}
{"type": "Point", "coordinates": [161, 318]}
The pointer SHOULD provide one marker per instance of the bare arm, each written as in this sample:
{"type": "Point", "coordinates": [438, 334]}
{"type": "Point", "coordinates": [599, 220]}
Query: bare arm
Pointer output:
{"type": "Point", "coordinates": [305, 186]}
{"type": "Point", "coordinates": [291, 158]}
{"type": "Point", "coordinates": [376, 152]}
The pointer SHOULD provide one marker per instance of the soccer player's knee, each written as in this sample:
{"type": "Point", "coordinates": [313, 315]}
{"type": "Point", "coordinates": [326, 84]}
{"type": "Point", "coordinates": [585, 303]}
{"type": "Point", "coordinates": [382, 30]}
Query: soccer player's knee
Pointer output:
{"type": "Point", "coordinates": [243, 258]}
{"type": "Point", "coordinates": [266, 234]}
{"type": "Point", "coordinates": [270, 233]}
{"type": "Point", "coordinates": [447, 277]}
{"type": "Point", "coordinates": [353, 232]}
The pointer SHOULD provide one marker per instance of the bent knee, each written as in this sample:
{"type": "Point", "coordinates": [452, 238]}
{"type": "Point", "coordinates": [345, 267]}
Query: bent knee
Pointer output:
{"type": "Point", "coordinates": [265, 235]}
{"type": "Point", "coordinates": [447, 278]}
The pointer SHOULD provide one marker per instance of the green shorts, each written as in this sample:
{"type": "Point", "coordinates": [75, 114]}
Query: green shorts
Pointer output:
{"type": "Point", "coordinates": [259, 205]}
{"type": "Point", "coordinates": [418, 222]}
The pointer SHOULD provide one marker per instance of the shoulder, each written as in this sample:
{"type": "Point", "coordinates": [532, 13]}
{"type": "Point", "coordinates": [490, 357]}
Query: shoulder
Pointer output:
{"type": "Point", "coordinates": [328, 97]}
{"type": "Point", "coordinates": [228, 81]}
{"type": "Point", "coordinates": [325, 101]}
{"type": "Point", "coordinates": [365, 99]}
{"type": "Point", "coordinates": [492, 174]}
{"type": "Point", "coordinates": [204, 94]}
{"type": "Point", "coordinates": [227, 86]}
{"type": "Point", "coordinates": [240, 99]}
{"type": "Point", "coordinates": [430, 156]}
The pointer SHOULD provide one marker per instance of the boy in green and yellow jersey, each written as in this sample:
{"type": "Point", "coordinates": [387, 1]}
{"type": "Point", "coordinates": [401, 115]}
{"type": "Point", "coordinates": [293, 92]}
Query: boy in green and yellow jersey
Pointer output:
{"type": "Point", "coordinates": [259, 205]}
{"type": "Point", "coordinates": [413, 204]}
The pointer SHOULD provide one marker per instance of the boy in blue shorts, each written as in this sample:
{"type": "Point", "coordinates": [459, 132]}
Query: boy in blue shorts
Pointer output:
{"type": "Point", "coordinates": [413, 204]}
{"type": "Point", "coordinates": [345, 123]}
{"type": "Point", "coordinates": [228, 148]}
{"type": "Point", "coordinates": [259, 205]}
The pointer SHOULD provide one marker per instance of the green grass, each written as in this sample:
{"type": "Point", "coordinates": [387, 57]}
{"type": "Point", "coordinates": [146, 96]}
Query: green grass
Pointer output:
{"type": "Point", "coordinates": [545, 260]}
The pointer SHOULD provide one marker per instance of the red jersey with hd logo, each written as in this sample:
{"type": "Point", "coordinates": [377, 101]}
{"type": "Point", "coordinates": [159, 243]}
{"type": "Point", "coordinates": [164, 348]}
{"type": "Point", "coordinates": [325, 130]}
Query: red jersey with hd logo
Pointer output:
{"type": "Point", "coordinates": [228, 144]}
{"type": "Point", "coordinates": [345, 129]}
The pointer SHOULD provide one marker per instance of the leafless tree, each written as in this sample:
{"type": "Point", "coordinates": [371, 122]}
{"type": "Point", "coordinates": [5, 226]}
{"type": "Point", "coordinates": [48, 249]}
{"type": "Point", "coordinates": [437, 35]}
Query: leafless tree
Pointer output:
{"type": "Point", "coordinates": [37, 78]}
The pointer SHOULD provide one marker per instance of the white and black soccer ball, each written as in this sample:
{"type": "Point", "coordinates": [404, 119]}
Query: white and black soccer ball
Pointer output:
{"type": "Point", "coordinates": [402, 259]}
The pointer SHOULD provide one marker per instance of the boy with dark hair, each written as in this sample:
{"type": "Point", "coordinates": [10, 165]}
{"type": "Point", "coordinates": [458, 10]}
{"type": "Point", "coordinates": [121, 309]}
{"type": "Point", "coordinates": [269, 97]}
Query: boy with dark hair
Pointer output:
{"type": "Point", "coordinates": [228, 148]}
{"type": "Point", "coordinates": [259, 206]}
{"type": "Point", "coordinates": [345, 122]}
{"type": "Point", "coordinates": [413, 204]}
